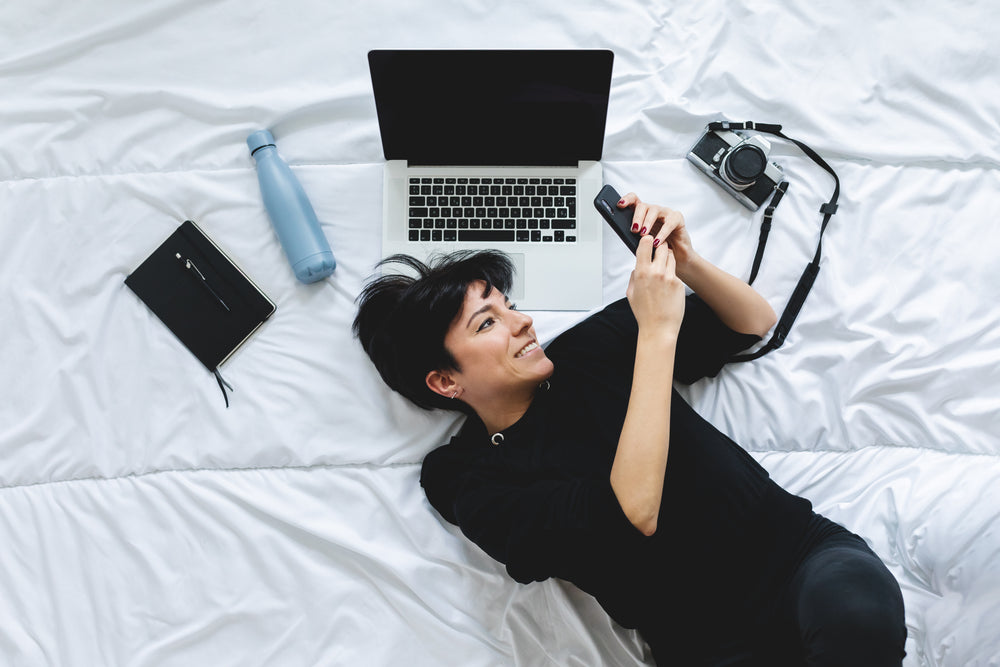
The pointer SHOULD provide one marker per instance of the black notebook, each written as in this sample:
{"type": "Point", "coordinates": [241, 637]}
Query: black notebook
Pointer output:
{"type": "Point", "coordinates": [195, 289]}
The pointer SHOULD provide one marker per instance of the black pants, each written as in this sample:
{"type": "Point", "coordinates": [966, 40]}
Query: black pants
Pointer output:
{"type": "Point", "coordinates": [842, 607]}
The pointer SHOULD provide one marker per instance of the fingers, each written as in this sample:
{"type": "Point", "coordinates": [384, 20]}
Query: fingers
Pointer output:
{"type": "Point", "coordinates": [659, 221]}
{"type": "Point", "coordinates": [649, 257]}
{"type": "Point", "coordinates": [671, 221]}
{"type": "Point", "coordinates": [644, 253]}
{"type": "Point", "coordinates": [631, 199]}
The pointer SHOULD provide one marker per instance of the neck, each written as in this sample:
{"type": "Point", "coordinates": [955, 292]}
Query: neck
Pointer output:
{"type": "Point", "coordinates": [497, 415]}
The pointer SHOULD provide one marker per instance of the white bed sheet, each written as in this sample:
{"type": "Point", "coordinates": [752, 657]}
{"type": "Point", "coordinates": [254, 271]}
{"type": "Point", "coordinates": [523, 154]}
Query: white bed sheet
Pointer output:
{"type": "Point", "coordinates": [145, 524]}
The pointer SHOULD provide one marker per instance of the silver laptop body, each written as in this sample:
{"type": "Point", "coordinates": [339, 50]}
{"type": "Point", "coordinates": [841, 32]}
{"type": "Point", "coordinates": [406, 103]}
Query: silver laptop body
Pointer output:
{"type": "Point", "coordinates": [498, 149]}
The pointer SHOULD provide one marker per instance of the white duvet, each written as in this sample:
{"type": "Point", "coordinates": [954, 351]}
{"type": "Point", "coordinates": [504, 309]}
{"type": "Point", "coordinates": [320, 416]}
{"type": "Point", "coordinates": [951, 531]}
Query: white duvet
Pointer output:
{"type": "Point", "coordinates": [143, 523]}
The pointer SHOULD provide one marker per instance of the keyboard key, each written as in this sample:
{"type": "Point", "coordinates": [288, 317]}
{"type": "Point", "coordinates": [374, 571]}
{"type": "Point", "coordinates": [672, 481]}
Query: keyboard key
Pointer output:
{"type": "Point", "coordinates": [414, 234]}
{"type": "Point", "coordinates": [418, 212]}
{"type": "Point", "coordinates": [559, 236]}
{"type": "Point", "coordinates": [564, 224]}
{"type": "Point", "coordinates": [522, 235]}
{"type": "Point", "coordinates": [494, 235]}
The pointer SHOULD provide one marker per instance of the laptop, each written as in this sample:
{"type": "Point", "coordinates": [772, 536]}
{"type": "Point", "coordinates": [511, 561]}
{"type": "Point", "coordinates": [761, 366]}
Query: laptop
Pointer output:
{"type": "Point", "coordinates": [498, 149]}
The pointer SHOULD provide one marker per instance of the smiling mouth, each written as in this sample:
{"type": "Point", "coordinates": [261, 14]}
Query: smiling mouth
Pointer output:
{"type": "Point", "coordinates": [526, 349]}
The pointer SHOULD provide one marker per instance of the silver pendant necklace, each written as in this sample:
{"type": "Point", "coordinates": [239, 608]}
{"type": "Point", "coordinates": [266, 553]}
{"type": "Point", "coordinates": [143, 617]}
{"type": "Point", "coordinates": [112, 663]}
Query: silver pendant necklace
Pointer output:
{"type": "Point", "coordinates": [497, 438]}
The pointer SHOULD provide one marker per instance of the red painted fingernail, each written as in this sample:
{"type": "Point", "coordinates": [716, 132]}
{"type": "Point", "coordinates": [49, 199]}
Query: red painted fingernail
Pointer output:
{"type": "Point", "coordinates": [656, 242]}
{"type": "Point", "coordinates": [635, 228]}
{"type": "Point", "coordinates": [621, 201]}
{"type": "Point", "coordinates": [642, 231]}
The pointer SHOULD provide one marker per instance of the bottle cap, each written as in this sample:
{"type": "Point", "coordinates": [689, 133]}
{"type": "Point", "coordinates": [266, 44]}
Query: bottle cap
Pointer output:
{"type": "Point", "coordinates": [259, 139]}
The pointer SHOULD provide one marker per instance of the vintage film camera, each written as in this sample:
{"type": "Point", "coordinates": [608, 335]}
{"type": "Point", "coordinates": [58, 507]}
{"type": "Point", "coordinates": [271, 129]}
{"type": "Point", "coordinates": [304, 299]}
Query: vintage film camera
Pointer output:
{"type": "Point", "coordinates": [739, 164]}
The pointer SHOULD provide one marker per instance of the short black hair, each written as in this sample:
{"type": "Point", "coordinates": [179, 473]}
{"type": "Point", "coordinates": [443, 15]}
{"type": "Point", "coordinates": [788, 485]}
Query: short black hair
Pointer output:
{"type": "Point", "coordinates": [402, 319]}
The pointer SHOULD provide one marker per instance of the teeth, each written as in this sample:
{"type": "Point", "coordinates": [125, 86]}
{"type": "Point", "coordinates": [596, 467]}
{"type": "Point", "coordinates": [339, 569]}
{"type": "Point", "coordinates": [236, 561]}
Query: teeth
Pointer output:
{"type": "Point", "coordinates": [526, 349]}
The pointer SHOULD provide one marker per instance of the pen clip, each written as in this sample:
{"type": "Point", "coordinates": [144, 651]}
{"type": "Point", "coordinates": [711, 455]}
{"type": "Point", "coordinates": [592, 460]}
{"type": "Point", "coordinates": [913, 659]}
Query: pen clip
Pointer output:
{"type": "Point", "coordinates": [190, 266]}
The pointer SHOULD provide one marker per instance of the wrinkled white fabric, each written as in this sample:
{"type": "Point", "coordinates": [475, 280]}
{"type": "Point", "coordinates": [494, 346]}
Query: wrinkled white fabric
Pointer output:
{"type": "Point", "coordinates": [145, 524]}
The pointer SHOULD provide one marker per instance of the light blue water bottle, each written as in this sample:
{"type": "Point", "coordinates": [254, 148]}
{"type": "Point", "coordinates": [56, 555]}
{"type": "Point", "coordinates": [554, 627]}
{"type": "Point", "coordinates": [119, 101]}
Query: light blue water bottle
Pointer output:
{"type": "Point", "coordinates": [291, 213]}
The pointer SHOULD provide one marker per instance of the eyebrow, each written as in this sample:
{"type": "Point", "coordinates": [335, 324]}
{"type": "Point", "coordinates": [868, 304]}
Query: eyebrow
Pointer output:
{"type": "Point", "coordinates": [482, 310]}
{"type": "Point", "coordinates": [488, 307]}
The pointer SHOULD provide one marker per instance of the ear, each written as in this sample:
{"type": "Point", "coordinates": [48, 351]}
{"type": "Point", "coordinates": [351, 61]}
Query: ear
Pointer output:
{"type": "Point", "coordinates": [441, 382]}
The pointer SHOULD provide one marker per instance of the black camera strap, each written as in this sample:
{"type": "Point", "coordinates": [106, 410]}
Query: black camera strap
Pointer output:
{"type": "Point", "coordinates": [808, 276]}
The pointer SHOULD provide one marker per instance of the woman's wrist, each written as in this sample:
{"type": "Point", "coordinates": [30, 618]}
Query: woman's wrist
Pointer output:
{"type": "Point", "coordinates": [660, 336]}
{"type": "Point", "coordinates": [690, 268]}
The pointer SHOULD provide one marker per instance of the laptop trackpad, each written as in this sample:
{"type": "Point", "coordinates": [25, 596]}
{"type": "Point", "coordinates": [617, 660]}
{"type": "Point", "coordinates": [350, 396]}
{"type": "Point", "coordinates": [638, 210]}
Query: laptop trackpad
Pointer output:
{"type": "Point", "coordinates": [517, 290]}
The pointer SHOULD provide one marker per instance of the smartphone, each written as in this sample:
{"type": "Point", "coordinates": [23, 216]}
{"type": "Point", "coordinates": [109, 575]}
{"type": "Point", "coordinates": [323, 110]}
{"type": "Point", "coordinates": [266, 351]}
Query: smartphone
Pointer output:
{"type": "Point", "coordinates": [620, 219]}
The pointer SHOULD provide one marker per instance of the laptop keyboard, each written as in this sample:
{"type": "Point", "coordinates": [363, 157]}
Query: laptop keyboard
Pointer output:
{"type": "Point", "coordinates": [496, 210]}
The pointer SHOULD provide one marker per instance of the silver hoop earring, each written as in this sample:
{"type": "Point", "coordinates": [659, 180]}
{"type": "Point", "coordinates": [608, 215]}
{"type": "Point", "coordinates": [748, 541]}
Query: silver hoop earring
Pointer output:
{"type": "Point", "coordinates": [454, 395]}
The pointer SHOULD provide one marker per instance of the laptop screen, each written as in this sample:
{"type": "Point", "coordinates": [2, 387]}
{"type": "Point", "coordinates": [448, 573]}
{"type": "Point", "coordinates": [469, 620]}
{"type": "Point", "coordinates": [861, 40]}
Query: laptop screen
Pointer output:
{"type": "Point", "coordinates": [457, 107]}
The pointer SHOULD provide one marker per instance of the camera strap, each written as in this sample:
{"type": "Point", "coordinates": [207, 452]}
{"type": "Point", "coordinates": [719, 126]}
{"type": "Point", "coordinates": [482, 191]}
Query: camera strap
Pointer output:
{"type": "Point", "coordinates": [808, 276]}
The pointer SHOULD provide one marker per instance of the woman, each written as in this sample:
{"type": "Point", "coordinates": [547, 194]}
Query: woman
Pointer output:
{"type": "Point", "coordinates": [579, 461]}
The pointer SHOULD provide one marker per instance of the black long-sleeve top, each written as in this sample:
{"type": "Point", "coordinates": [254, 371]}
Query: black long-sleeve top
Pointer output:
{"type": "Point", "coordinates": [542, 503]}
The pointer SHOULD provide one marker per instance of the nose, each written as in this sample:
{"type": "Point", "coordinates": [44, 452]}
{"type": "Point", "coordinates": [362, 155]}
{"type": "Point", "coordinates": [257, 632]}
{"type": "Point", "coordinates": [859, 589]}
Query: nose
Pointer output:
{"type": "Point", "coordinates": [522, 322]}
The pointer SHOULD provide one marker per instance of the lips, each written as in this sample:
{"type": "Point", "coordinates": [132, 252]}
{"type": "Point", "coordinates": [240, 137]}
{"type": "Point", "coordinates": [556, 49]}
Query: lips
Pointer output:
{"type": "Point", "coordinates": [526, 349]}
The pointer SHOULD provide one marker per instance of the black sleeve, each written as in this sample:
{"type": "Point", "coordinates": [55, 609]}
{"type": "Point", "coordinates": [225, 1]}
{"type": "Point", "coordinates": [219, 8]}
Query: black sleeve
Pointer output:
{"type": "Point", "coordinates": [537, 528]}
{"type": "Point", "coordinates": [704, 344]}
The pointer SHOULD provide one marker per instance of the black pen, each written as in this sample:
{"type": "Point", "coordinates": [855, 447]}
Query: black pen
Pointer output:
{"type": "Point", "coordinates": [189, 265]}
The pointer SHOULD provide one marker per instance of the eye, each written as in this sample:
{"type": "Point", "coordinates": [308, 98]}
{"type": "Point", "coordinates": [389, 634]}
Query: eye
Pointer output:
{"type": "Point", "coordinates": [485, 323]}
{"type": "Point", "coordinates": [512, 306]}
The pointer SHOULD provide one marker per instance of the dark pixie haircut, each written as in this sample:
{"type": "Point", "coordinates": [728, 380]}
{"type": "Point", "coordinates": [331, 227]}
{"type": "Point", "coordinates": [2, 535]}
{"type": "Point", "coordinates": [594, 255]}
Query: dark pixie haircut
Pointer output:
{"type": "Point", "coordinates": [402, 320]}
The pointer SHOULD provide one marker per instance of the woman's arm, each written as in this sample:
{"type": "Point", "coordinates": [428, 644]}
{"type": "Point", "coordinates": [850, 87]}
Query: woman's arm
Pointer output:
{"type": "Point", "coordinates": [738, 305]}
{"type": "Point", "coordinates": [656, 296]}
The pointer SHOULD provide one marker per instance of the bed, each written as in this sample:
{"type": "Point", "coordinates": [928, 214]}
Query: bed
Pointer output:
{"type": "Point", "coordinates": [144, 523]}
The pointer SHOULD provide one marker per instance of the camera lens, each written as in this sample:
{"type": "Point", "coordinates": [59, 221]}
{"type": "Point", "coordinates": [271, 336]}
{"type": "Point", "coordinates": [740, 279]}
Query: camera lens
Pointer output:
{"type": "Point", "coordinates": [744, 164]}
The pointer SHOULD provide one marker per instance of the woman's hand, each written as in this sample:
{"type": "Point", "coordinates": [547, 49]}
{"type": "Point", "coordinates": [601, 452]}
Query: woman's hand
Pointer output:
{"type": "Point", "coordinates": [655, 293]}
{"type": "Point", "coordinates": [664, 225]}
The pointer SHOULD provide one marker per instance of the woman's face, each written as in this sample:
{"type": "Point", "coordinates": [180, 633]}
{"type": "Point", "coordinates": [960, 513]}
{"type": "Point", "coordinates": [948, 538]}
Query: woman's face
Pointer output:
{"type": "Point", "coordinates": [495, 347]}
